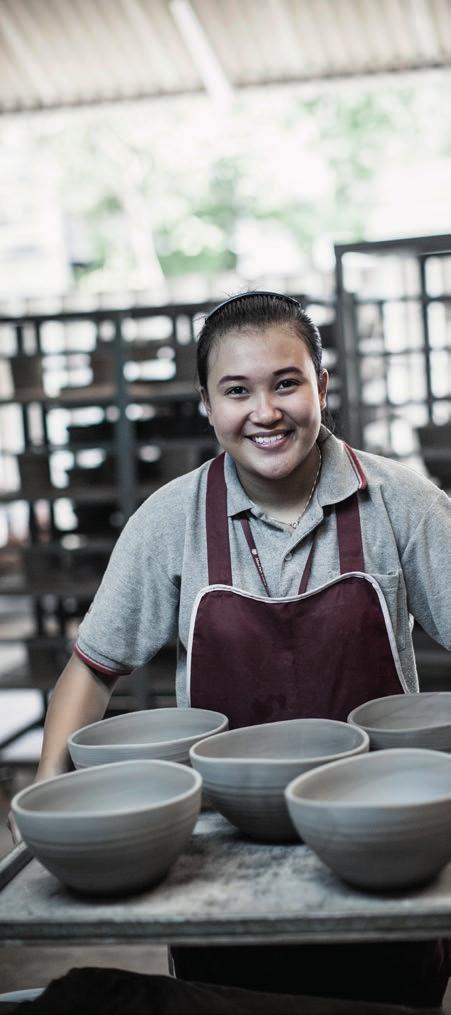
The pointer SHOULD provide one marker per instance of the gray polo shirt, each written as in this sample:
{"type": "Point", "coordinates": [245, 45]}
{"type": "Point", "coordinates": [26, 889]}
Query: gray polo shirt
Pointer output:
{"type": "Point", "coordinates": [159, 563]}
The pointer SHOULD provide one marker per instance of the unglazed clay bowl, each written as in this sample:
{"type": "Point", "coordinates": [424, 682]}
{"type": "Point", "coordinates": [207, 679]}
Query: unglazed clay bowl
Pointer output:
{"type": "Point", "coordinates": [245, 771]}
{"type": "Point", "coordinates": [163, 733]}
{"type": "Point", "coordinates": [381, 821]}
{"type": "Point", "coordinates": [113, 828]}
{"type": "Point", "coordinates": [406, 720]}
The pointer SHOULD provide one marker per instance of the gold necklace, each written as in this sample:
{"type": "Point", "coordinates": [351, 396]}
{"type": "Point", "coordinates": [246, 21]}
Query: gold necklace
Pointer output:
{"type": "Point", "coordinates": [295, 524]}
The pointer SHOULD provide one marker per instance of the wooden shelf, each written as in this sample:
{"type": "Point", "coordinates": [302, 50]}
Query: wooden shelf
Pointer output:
{"type": "Point", "coordinates": [86, 543]}
{"type": "Point", "coordinates": [85, 495]}
{"type": "Point", "coordinates": [198, 440]}
{"type": "Point", "coordinates": [104, 395]}
{"type": "Point", "coordinates": [99, 494]}
{"type": "Point", "coordinates": [17, 585]}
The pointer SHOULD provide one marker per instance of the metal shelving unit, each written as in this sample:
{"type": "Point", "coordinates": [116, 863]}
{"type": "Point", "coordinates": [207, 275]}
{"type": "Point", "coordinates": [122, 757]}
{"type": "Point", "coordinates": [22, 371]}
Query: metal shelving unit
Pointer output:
{"type": "Point", "coordinates": [134, 371]}
{"type": "Point", "coordinates": [54, 566]}
{"type": "Point", "coordinates": [394, 337]}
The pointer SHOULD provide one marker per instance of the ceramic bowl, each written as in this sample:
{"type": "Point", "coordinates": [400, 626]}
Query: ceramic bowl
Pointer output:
{"type": "Point", "coordinates": [113, 828]}
{"type": "Point", "coordinates": [245, 771]}
{"type": "Point", "coordinates": [381, 821]}
{"type": "Point", "coordinates": [163, 733]}
{"type": "Point", "coordinates": [406, 720]}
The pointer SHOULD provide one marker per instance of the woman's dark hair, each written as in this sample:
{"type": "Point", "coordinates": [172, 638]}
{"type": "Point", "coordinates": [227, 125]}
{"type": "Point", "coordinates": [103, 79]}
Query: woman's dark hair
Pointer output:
{"type": "Point", "coordinates": [253, 310]}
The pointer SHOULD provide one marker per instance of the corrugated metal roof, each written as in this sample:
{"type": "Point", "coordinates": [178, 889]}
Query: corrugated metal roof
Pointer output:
{"type": "Point", "coordinates": [56, 53]}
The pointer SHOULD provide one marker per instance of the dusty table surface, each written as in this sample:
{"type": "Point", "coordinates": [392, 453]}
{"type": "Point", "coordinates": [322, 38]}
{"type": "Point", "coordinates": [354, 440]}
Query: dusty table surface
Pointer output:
{"type": "Point", "coordinates": [225, 889]}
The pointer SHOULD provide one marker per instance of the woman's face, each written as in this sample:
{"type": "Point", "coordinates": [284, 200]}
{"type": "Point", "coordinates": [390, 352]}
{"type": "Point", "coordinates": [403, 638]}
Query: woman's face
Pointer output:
{"type": "Point", "coordinates": [264, 400]}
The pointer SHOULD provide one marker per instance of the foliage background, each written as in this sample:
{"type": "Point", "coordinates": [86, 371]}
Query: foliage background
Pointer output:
{"type": "Point", "coordinates": [151, 191]}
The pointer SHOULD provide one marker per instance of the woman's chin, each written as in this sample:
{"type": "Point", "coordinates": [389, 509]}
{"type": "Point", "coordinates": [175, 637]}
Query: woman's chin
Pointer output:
{"type": "Point", "coordinates": [274, 470]}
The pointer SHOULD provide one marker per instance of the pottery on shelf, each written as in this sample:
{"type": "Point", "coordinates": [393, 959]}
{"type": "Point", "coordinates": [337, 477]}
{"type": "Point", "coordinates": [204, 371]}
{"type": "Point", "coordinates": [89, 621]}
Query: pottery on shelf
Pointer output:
{"type": "Point", "coordinates": [110, 829]}
{"type": "Point", "coordinates": [162, 733]}
{"type": "Point", "coordinates": [380, 821]}
{"type": "Point", "coordinates": [406, 720]}
{"type": "Point", "coordinates": [245, 771]}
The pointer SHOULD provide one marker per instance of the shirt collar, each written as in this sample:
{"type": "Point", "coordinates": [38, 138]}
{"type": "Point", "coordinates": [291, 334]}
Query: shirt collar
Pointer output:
{"type": "Point", "coordinates": [237, 498]}
{"type": "Point", "coordinates": [341, 475]}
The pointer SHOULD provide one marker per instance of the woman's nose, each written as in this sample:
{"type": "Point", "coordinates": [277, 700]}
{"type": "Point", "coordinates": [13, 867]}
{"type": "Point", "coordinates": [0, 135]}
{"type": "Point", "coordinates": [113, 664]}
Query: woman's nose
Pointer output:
{"type": "Point", "coordinates": [266, 409]}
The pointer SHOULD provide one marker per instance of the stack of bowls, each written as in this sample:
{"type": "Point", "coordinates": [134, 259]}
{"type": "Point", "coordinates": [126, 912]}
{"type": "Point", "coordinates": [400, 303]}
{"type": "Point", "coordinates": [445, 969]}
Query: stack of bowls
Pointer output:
{"type": "Point", "coordinates": [110, 829]}
{"type": "Point", "coordinates": [117, 823]}
{"type": "Point", "coordinates": [160, 733]}
{"type": "Point", "coordinates": [381, 821]}
{"type": "Point", "coordinates": [245, 771]}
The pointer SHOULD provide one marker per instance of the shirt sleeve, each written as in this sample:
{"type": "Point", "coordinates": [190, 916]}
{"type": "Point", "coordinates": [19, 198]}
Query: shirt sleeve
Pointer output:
{"type": "Point", "coordinates": [426, 563]}
{"type": "Point", "coordinates": [135, 610]}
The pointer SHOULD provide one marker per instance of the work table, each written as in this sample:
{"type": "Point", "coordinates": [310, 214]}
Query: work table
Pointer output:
{"type": "Point", "coordinates": [223, 889]}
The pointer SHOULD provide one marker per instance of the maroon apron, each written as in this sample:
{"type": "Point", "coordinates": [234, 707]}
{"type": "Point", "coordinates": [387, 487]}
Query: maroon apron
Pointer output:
{"type": "Point", "coordinates": [260, 659]}
{"type": "Point", "coordinates": [321, 653]}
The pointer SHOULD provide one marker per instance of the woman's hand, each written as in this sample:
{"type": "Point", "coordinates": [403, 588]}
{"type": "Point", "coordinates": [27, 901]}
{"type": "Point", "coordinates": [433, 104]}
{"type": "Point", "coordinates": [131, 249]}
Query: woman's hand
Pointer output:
{"type": "Point", "coordinates": [79, 697]}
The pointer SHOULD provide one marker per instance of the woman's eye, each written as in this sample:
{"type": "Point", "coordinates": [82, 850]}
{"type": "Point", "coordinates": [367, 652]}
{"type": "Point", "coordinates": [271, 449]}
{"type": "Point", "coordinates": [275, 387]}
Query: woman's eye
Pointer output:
{"type": "Point", "coordinates": [287, 382]}
{"type": "Point", "coordinates": [236, 390]}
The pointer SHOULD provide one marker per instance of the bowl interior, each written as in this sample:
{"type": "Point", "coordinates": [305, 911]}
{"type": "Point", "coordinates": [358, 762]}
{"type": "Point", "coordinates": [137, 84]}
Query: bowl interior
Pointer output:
{"type": "Point", "coordinates": [293, 739]}
{"type": "Point", "coordinates": [109, 789]}
{"type": "Point", "coordinates": [154, 726]}
{"type": "Point", "coordinates": [384, 778]}
{"type": "Point", "coordinates": [399, 712]}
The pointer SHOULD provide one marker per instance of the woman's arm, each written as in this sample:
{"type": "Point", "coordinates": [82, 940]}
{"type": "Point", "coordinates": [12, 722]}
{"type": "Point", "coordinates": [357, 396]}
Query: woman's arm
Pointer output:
{"type": "Point", "coordinates": [426, 563]}
{"type": "Point", "coordinates": [80, 697]}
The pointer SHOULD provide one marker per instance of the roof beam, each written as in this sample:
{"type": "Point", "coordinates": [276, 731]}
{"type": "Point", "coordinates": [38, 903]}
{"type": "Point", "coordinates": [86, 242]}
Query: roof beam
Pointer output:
{"type": "Point", "coordinates": [205, 59]}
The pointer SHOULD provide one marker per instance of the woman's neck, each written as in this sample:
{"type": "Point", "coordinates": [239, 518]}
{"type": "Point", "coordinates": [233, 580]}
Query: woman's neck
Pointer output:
{"type": "Point", "coordinates": [285, 499]}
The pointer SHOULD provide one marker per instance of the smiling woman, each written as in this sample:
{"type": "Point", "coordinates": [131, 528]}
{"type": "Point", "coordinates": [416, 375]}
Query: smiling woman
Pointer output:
{"type": "Point", "coordinates": [264, 400]}
{"type": "Point", "coordinates": [264, 388]}
{"type": "Point", "coordinates": [287, 568]}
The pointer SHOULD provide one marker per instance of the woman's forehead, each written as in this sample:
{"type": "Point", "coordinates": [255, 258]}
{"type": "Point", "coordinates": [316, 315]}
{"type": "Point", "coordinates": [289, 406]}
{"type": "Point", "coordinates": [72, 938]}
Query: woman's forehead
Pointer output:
{"type": "Point", "coordinates": [272, 342]}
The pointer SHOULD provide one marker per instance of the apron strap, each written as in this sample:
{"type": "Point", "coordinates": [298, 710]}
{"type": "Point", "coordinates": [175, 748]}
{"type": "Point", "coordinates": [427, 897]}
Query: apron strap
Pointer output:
{"type": "Point", "coordinates": [256, 558]}
{"type": "Point", "coordinates": [308, 567]}
{"type": "Point", "coordinates": [218, 543]}
{"type": "Point", "coordinates": [255, 555]}
{"type": "Point", "coordinates": [349, 535]}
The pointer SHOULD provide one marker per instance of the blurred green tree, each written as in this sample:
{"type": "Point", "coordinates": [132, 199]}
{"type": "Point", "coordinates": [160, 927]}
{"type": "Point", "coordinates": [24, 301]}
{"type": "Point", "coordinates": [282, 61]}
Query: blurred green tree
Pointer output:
{"type": "Point", "coordinates": [160, 189]}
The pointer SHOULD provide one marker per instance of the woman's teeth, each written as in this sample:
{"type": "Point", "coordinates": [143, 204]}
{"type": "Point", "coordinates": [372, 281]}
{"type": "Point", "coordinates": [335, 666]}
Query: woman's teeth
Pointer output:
{"type": "Point", "coordinates": [273, 439]}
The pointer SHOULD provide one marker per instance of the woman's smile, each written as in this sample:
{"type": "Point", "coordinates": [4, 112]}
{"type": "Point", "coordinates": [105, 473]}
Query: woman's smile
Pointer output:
{"type": "Point", "coordinates": [264, 400]}
{"type": "Point", "coordinates": [270, 441]}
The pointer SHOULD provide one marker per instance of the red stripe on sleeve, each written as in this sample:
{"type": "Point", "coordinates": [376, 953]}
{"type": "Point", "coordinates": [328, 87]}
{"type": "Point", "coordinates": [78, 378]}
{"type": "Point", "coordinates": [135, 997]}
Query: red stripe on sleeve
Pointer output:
{"type": "Point", "coordinates": [106, 671]}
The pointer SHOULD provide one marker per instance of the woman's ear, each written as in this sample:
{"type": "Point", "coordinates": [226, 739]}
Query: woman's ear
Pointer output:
{"type": "Point", "coordinates": [322, 388]}
{"type": "Point", "coordinates": [206, 404]}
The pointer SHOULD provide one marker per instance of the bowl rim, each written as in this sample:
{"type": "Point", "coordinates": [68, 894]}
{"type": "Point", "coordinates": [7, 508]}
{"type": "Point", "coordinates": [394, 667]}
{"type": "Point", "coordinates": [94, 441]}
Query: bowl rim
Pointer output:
{"type": "Point", "coordinates": [72, 742]}
{"type": "Point", "coordinates": [314, 759]}
{"type": "Point", "coordinates": [404, 729]}
{"type": "Point", "coordinates": [18, 809]}
{"type": "Point", "coordinates": [400, 752]}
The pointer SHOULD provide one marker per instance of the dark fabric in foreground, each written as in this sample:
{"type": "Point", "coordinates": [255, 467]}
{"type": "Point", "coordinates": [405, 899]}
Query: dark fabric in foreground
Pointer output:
{"type": "Point", "coordinates": [119, 992]}
{"type": "Point", "coordinates": [411, 973]}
